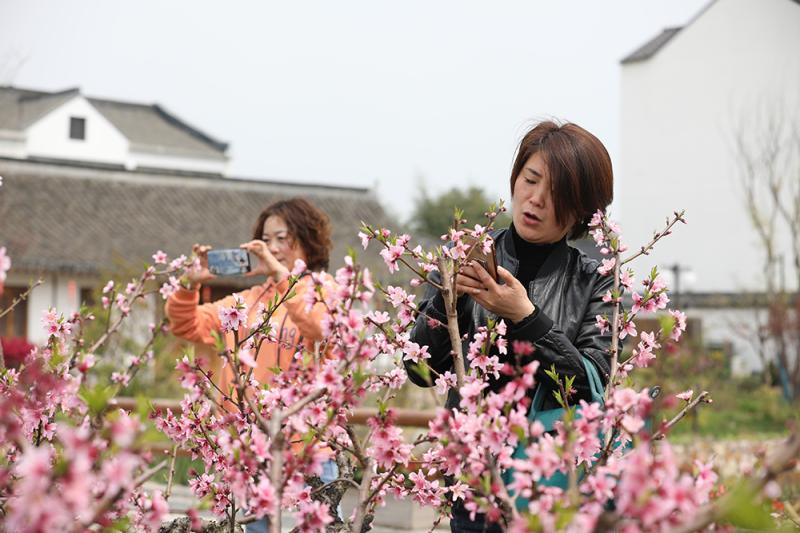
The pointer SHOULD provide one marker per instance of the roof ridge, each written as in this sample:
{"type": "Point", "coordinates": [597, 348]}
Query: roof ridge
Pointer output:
{"type": "Point", "coordinates": [218, 178]}
{"type": "Point", "coordinates": [42, 94]}
{"type": "Point", "coordinates": [191, 130]}
{"type": "Point", "coordinates": [653, 45]}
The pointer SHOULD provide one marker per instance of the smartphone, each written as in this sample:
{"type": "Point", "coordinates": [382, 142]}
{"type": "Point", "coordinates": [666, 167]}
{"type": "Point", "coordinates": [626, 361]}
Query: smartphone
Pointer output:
{"type": "Point", "coordinates": [229, 262]}
{"type": "Point", "coordinates": [487, 261]}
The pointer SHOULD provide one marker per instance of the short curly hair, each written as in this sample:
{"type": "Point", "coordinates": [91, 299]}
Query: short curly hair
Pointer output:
{"type": "Point", "coordinates": [306, 223]}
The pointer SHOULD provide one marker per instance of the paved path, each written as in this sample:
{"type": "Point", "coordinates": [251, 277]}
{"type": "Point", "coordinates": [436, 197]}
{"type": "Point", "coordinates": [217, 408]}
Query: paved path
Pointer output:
{"type": "Point", "coordinates": [395, 517]}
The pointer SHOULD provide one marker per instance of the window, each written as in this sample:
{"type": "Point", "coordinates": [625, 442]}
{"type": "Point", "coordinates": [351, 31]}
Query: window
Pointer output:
{"type": "Point", "coordinates": [87, 297]}
{"type": "Point", "coordinates": [77, 128]}
{"type": "Point", "coordinates": [14, 324]}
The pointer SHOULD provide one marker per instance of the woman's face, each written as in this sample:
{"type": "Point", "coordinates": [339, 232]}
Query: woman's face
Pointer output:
{"type": "Point", "coordinates": [281, 243]}
{"type": "Point", "coordinates": [532, 204]}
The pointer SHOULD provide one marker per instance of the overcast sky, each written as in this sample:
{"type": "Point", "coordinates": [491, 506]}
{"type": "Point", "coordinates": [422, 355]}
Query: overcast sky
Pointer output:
{"type": "Point", "coordinates": [370, 93]}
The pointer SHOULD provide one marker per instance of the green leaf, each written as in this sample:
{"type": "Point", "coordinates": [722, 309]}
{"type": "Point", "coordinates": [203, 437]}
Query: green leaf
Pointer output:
{"type": "Point", "coordinates": [382, 408]}
{"type": "Point", "coordinates": [120, 525]}
{"type": "Point", "coordinates": [559, 399]}
{"type": "Point", "coordinates": [219, 342]}
{"type": "Point", "coordinates": [422, 371]}
{"type": "Point", "coordinates": [359, 377]}
{"type": "Point", "coordinates": [534, 523]}
{"type": "Point", "coordinates": [97, 397]}
{"type": "Point", "coordinates": [743, 508]}
{"type": "Point", "coordinates": [552, 374]}
{"type": "Point", "coordinates": [564, 517]}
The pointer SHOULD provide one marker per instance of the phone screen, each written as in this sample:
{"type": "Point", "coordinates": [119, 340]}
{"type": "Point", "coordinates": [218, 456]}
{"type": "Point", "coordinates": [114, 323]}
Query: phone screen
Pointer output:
{"type": "Point", "coordinates": [229, 262]}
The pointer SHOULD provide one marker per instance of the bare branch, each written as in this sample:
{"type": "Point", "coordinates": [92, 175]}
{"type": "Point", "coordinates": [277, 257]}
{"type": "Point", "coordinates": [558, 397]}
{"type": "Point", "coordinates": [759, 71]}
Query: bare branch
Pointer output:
{"type": "Point", "coordinates": [702, 397]}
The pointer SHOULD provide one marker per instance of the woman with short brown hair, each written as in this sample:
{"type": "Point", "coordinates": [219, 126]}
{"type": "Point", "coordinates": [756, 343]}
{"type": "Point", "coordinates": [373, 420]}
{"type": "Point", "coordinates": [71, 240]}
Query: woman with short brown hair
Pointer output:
{"type": "Point", "coordinates": [548, 292]}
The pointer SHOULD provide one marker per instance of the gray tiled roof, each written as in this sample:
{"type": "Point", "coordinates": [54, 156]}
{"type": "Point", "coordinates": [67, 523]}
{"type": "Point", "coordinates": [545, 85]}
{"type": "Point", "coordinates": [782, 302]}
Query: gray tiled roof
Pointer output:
{"type": "Point", "coordinates": [146, 126]}
{"type": "Point", "coordinates": [93, 220]}
{"type": "Point", "coordinates": [651, 47]}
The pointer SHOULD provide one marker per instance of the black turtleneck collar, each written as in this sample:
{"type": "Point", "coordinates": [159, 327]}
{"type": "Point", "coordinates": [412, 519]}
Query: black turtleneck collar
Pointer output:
{"type": "Point", "coordinates": [531, 256]}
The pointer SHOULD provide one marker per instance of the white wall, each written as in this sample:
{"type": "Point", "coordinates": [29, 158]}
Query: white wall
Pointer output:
{"type": "Point", "coordinates": [12, 144]}
{"type": "Point", "coordinates": [736, 326]}
{"type": "Point", "coordinates": [49, 136]}
{"type": "Point", "coordinates": [57, 291]}
{"type": "Point", "coordinates": [138, 158]}
{"type": "Point", "coordinates": [678, 111]}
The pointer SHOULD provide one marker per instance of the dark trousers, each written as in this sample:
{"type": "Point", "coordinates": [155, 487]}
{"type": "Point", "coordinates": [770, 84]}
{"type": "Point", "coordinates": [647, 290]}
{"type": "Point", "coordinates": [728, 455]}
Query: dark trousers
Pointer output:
{"type": "Point", "coordinates": [461, 523]}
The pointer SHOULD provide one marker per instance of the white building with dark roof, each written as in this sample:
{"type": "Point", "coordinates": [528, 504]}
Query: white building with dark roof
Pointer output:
{"type": "Point", "coordinates": [685, 94]}
{"type": "Point", "coordinates": [67, 125]}
{"type": "Point", "coordinates": [94, 187]}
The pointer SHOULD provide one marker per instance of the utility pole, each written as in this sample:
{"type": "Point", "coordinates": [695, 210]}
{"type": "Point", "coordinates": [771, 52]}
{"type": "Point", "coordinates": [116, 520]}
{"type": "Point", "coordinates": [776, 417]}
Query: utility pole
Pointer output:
{"type": "Point", "coordinates": [676, 270]}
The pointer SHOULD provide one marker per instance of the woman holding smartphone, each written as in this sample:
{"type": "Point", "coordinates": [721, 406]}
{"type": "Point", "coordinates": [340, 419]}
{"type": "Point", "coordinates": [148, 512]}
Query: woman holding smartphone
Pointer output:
{"type": "Point", "coordinates": [284, 232]}
{"type": "Point", "coordinates": [548, 292]}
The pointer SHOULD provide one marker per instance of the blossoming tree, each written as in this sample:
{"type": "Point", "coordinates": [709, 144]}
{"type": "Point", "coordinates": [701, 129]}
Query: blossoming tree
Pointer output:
{"type": "Point", "coordinates": [70, 461]}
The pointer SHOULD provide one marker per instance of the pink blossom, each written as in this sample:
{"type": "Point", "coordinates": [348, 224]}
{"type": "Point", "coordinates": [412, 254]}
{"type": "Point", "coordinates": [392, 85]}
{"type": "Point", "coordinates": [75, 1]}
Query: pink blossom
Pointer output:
{"type": "Point", "coordinates": [86, 362]}
{"type": "Point", "coordinates": [313, 516]}
{"type": "Point", "coordinates": [390, 256]}
{"type": "Point", "coordinates": [597, 219]}
{"type": "Point", "coordinates": [685, 395]}
{"type": "Point", "coordinates": [160, 258]}
{"type": "Point", "coordinates": [378, 317]}
{"type": "Point", "coordinates": [522, 348]}
{"type": "Point", "coordinates": [598, 236]}
{"type": "Point", "coordinates": [118, 472]}
{"type": "Point", "coordinates": [606, 266]}
{"type": "Point", "coordinates": [413, 352]}
{"type": "Point", "coordinates": [626, 279]}
{"type": "Point", "coordinates": [628, 328]}
{"type": "Point", "coordinates": [234, 317]}
{"type": "Point", "coordinates": [169, 287]}
{"type": "Point", "coordinates": [121, 378]}
{"type": "Point", "coordinates": [680, 324]}
{"type": "Point", "coordinates": [624, 399]}
{"type": "Point", "coordinates": [246, 357]}
{"type": "Point", "coordinates": [632, 424]}
{"type": "Point", "coordinates": [178, 262]}
{"type": "Point", "coordinates": [364, 239]}
{"type": "Point", "coordinates": [398, 296]}
{"type": "Point", "coordinates": [122, 302]}
{"type": "Point", "coordinates": [458, 491]}
{"type": "Point", "coordinates": [124, 429]}
{"type": "Point", "coordinates": [637, 302]}
{"type": "Point", "coordinates": [602, 323]}
{"type": "Point", "coordinates": [155, 511]}
{"type": "Point", "coordinates": [109, 287]}
{"type": "Point", "coordinates": [444, 382]}
{"type": "Point", "coordinates": [299, 267]}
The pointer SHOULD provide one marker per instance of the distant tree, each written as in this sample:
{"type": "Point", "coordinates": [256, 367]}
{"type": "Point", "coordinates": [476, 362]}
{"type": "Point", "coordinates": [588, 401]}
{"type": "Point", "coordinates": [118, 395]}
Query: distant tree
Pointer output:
{"type": "Point", "coordinates": [767, 150]}
{"type": "Point", "coordinates": [433, 216]}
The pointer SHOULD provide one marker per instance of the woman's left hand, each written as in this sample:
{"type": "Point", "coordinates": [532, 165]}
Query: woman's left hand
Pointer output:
{"type": "Point", "coordinates": [267, 264]}
{"type": "Point", "coordinates": [508, 301]}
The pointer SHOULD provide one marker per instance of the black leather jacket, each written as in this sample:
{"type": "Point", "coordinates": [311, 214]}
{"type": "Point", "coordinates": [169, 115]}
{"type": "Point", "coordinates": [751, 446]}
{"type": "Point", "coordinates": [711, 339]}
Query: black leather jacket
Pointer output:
{"type": "Point", "coordinates": [567, 293]}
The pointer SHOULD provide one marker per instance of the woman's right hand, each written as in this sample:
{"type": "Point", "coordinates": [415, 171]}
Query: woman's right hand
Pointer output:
{"type": "Point", "coordinates": [198, 277]}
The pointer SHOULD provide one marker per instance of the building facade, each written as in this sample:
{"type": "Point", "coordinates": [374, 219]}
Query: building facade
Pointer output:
{"type": "Point", "coordinates": [688, 97]}
{"type": "Point", "coordinates": [75, 212]}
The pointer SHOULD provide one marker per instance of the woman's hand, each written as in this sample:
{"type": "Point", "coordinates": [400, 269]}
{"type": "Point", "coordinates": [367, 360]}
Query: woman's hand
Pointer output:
{"type": "Point", "coordinates": [508, 301]}
{"type": "Point", "coordinates": [267, 264]}
{"type": "Point", "coordinates": [198, 277]}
